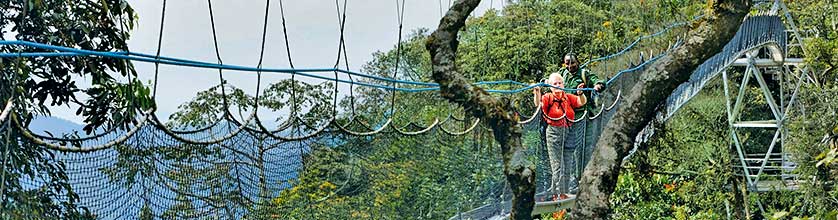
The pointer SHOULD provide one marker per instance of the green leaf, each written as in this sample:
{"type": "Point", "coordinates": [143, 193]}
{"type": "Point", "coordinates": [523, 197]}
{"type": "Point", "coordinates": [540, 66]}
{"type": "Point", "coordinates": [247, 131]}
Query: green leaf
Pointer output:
{"type": "Point", "coordinates": [779, 215]}
{"type": "Point", "coordinates": [828, 158]}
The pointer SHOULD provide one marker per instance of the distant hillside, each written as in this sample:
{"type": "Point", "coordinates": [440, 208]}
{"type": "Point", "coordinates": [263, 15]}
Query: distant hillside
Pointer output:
{"type": "Point", "coordinates": [54, 125]}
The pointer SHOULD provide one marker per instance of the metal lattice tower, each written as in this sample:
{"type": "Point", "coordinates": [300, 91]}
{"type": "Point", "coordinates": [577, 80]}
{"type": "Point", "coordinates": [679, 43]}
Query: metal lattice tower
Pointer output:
{"type": "Point", "coordinates": [768, 167]}
{"type": "Point", "coordinates": [762, 46]}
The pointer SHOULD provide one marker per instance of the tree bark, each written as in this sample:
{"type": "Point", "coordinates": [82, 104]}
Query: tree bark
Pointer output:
{"type": "Point", "coordinates": [497, 113]}
{"type": "Point", "coordinates": [709, 36]}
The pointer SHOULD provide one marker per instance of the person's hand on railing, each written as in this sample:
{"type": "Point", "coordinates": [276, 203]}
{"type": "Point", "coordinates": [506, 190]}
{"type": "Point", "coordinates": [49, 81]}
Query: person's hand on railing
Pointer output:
{"type": "Point", "coordinates": [579, 88]}
{"type": "Point", "coordinates": [598, 87]}
{"type": "Point", "coordinates": [536, 95]}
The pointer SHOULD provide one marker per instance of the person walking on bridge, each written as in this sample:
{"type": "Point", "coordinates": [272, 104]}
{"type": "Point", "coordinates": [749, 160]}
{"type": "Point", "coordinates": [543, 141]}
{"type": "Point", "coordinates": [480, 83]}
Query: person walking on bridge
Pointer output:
{"type": "Point", "coordinates": [557, 110]}
{"type": "Point", "coordinates": [580, 77]}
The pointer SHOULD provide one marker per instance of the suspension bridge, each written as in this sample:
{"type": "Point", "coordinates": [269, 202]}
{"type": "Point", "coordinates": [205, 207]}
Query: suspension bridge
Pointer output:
{"type": "Point", "coordinates": [761, 46]}
{"type": "Point", "coordinates": [242, 157]}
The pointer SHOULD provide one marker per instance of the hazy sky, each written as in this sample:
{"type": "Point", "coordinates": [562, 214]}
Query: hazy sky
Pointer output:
{"type": "Point", "coordinates": [313, 32]}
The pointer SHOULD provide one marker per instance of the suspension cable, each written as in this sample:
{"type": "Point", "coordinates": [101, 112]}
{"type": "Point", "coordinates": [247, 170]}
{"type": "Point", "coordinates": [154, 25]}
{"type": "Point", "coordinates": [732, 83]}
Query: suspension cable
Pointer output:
{"type": "Point", "coordinates": [159, 46]}
{"type": "Point", "coordinates": [400, 14]}
{"type": "Point", "coordinates": [221, 80]}
{"type": "Point", "coordinates": [341, 46]}
{"type": "Point", "coordinates": [290, 62]}
{"type": "Point", "coordinates": [262, 55]}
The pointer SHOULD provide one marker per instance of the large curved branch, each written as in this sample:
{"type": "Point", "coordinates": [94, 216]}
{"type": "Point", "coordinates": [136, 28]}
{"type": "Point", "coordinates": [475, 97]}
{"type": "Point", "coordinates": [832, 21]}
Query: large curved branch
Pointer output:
{"type": "Point", "coordinates": [707, 38]}
{"type": "Point", "coordinates": [497, 113]}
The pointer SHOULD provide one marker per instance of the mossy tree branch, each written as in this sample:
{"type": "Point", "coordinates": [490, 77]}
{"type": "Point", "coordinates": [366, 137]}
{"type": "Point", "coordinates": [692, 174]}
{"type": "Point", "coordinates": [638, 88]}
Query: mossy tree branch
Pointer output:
{"type": "Point", "coordinates": [707, 38]}
{"type": "Point", "coordinates": [497, 113]}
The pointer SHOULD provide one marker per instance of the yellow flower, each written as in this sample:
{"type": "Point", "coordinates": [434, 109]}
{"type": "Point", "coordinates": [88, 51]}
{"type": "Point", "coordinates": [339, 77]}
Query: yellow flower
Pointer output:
{"type": "Point", "coordinates": [669, 187]}
{"type": "Point", "coordinates": [600, 35]}
{"type": "Point", "coordinates": [606, 24]}
{"type": "Point", "coordinates": [326, 185]}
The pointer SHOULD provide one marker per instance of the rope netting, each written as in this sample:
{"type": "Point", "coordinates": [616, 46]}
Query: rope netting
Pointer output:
{"type": "Point", "coordinates": [240, 164]}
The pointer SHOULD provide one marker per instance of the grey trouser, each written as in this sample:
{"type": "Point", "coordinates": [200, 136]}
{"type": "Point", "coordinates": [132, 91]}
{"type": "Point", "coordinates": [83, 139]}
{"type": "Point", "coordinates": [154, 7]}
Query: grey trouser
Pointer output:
{"type": "Point", "coordinates": [561, 146]}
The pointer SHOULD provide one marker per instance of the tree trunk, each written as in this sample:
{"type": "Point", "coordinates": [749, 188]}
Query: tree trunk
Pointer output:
{"type": "Point", "coordinates": [740, 204]}
{"type": "Point", "coordinates": [498, 114]}
{"type": "Point", "coordinates": [710, 34]}
{"type": "Point", "coordinates": [740, 201]}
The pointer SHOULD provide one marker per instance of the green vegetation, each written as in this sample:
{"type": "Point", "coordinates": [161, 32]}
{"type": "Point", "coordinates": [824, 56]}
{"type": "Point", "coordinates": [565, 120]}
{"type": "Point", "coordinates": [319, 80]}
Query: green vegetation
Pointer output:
{"type": "Point", "coordinates": [689, 177]}
{"type": "Point", "coordinates": [814, 129]}
{"type": "Point", "coordinates": [685, 174]}
{"type": "Point", "coordinates": [35, 84]}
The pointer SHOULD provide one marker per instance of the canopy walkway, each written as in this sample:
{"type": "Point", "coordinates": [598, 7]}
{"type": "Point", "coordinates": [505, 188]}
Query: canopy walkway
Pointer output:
{"type": "Point", "coordinates": [761, 45]}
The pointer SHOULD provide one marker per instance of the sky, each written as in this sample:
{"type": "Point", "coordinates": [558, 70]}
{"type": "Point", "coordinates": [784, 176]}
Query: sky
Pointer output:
{"type": "Point", "coordinates": [313, 33]}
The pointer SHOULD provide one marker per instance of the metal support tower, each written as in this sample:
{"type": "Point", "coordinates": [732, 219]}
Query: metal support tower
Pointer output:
{"type": "Point", "coordinates": [765, 166]}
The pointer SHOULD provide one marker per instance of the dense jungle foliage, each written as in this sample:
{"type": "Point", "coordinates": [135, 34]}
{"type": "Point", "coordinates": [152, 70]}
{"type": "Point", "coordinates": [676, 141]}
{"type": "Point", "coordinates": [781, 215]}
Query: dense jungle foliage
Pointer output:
{"type": "Point", "coordinates": [34, 85]}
